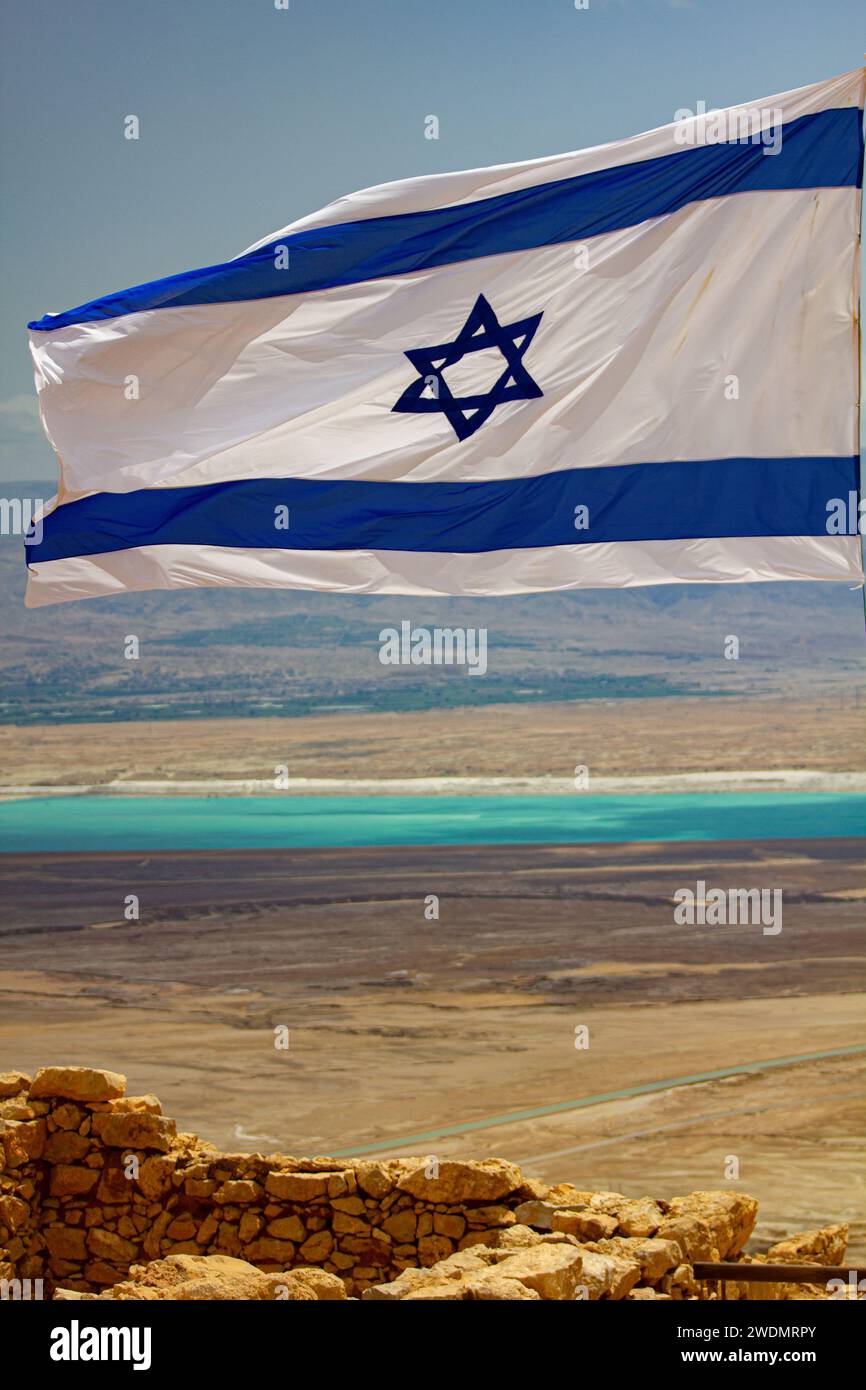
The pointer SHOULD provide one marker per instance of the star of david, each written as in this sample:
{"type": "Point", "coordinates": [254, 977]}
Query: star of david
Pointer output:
{"type": "Point", "coordinates": [482, 329]}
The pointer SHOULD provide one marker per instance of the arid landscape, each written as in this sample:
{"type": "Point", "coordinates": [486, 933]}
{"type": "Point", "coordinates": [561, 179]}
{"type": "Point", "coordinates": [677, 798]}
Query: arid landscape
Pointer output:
{"type": "Point", "coordinates": [433, 674]}
{"type": "Point", "coordinates": [248, 655]}
{"type": "Point", "coordinates": [402, 1028]}
{"type": "Point", "coordinates": [144, 1212]}
{"type": "Point", "coordinates": [625, 738]}
{"type": "Point", "coordinates": [457, 1036]}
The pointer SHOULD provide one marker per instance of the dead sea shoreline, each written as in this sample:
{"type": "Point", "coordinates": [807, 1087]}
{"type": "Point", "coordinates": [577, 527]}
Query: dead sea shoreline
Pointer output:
{"type": "Point", "coordinates": [769, 780]}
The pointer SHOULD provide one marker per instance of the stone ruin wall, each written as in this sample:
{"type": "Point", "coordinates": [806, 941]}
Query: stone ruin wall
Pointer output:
{"type": "Point", "coordinates": [93, 1182]}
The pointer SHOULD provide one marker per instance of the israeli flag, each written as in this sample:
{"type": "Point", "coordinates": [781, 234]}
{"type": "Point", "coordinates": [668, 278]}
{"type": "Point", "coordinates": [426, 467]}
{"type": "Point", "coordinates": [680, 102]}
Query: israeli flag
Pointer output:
{"type": "Point", "coordinates": [636, 364]}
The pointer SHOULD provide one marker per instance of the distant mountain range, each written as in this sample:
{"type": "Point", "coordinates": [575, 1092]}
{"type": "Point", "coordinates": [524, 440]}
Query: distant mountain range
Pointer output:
{"type": "Point", "coordinates": [248, 652]}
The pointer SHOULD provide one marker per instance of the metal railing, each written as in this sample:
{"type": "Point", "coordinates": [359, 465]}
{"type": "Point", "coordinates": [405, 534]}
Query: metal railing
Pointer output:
{"type": "Point", "coordinates": [730, 1271]}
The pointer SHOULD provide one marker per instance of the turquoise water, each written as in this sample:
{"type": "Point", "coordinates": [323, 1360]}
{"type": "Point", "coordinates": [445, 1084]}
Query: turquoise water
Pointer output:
{"type": "Point", "coordinates": [93, 823]}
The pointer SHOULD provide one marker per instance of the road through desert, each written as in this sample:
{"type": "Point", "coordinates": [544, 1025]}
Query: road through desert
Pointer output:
{"type": "Point", "coordinates": [400, 1026]}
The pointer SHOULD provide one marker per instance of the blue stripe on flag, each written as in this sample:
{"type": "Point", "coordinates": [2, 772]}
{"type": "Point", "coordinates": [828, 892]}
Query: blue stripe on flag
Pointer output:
{"type": "Point", "coordinates": [630, 502]}
{"type": "Point", "coordinates": [823, 150]}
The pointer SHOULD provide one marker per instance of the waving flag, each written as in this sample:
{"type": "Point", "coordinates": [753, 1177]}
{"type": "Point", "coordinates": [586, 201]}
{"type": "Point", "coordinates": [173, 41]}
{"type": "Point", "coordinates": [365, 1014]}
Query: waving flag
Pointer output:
{"type": "Point", "coordinates": [634, 364]}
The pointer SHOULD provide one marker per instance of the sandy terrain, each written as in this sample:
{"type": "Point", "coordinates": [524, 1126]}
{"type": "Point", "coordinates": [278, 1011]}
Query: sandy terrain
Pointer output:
{"type": "Point", "coordinates": [611, 738]}
{"type": "Point", "coordinates": [401, 1026]}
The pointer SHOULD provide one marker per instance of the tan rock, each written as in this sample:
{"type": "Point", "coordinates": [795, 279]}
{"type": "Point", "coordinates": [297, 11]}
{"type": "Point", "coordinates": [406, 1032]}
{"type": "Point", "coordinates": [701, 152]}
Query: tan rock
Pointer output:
{"type": "Point", "coordinates": [586, 1225]}
{"type": "Point", "coordinates": [454, 1182]}
{"type": "Point", "coordinates": [564, 1194]}
{"type": "Point", "coordinates": [115, 1187]}
{"type": "Point", "coordinates": [68, 1181]}
{"type": "Point", "coordinates": [546, 1270]}
{"type": "Point", "coordinates": [377, 1179]}
{"type": "Point", "coordinates": [536, 1212]}
{"type": "Point", "coordinates": [152, 1240]}
{"type": "Point", "coordinates": [17, 1108]}
{"type": "Point", "coordinates": [126, 1103]}
{"type": "Point", "coordinates": [350, 1225]}
{"type": "Point", "coordinates": [180, 1247]}
{"type": "Point", "coordinates": [730, 1217]}
{"type": "Point", "coordinates": [437, 1291]}
{"type": "Point", "coordinates": [249, 1227]}
{"type": "Point", "coordinates": [402, 1225]}
{"type": "Point", "coordinates": [77, 1083]}
{"type": "Point", "coordinates": [516, 1237]}
{"type": "Point", "coordinates": [495, 1287]}
{"type": "Point", "coordinates": [271, 1251]}
{"type": "Point", "coordinates": [100, 1272]}
{"type": "Point", "coordinates": [811, 1293]}
{"type": "Point", "coordinates": [107, 1245]}
{"type": "Point", "coordinates": [241, 1191]}
{"type": "Point", "coordinates": [22, 1142]}
{"type": "Point", "coordinates": [553, 1271]}
{"type": "Point", "coordinates": [639, 1216]}
{"type": "Point", "coordinates": [136, 1129]}
{"type": "Point", "coordinates": [692, 1234]}
{"type": "Point", "coordinates": [208, 1229]}
{"type": "Point", "coordinates": [752, 1292]}
{"type": "Point", "coordinates": [287, 1228]}
{"type": "Point", "coordinates": [188, 1277]}
{"type": "Point", "coordinates": [457, 1267]}
{"type": "Point", "coordinates": [608, 1276]}
{"type": "Point", "coordinates": [200, 1187]}
{"type": "Point", "coordinates": [65, 1243]}
{"type": "Point", "coordinates": [69, 1115]}
{"type": "Point", "coordinates": [154, 1175]}
{"type": "Point", "coordinates": [64, 1146]}
{"type": "Point", "coordinates": [431, 1249]}
{"type": "Point", "coordinates": [825, 1246]}
{"type": "Point", "coordinates": [228, 1241]}
{"type": "Point", "coordinates": [353, 1206]}
{"type": "Point", "coordinates": [495, 1215]}
{"type": "Point", "coordinates": [297, 1187]}
{"type": "Point", "coordinates": [681, 1283]}
{"type": "Point", "coordinates": [328, 1288]}
{"type": "Point", "coordinates": [13, 1083]}
{"type": "Point", "coordinates": [487, 1285]}
{"type": "Point", "coordinates": [340, 1184]}
{"type": "Point", "coordinates": [183, 1227]}
{"type": "Point", "coordinates": [13, 1212]}
{"type": "Point", "coordinates": [366, 1250]}
{"type": "Point", "coordinates": [317, 1248]}
{"type": "Point", "coordinates": [655, 1257]}
{"type": "Point", "coordinates": [532, 1190]}
{"type": "Point", "coordinates": [447, 1224]}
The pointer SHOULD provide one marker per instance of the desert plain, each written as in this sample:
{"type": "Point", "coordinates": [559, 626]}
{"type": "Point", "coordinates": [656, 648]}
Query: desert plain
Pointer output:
{"type": "Point", "coordinates": [553, 1012]}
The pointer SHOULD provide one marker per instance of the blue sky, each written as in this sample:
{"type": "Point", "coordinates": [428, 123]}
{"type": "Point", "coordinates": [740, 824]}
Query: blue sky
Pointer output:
{"type": "Point", "coordinates": [250, 116]}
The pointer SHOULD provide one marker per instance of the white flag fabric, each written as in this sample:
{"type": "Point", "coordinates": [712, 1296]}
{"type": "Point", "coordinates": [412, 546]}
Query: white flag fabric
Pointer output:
{"type": "Point", "coordinates": [633, 364]}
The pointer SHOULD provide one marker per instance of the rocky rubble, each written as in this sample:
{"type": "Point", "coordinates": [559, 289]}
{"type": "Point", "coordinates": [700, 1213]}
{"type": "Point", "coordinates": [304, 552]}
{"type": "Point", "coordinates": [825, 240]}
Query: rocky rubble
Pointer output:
{"type": "Point", "coordinates": [216, 1277]}
{"type": "Point", "coordinates": [100, 1196]}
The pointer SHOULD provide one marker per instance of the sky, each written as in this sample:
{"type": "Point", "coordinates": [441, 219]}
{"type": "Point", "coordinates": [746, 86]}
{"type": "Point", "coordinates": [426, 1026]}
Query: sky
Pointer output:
{"type": "Point", "coordinates": [251, 115]}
